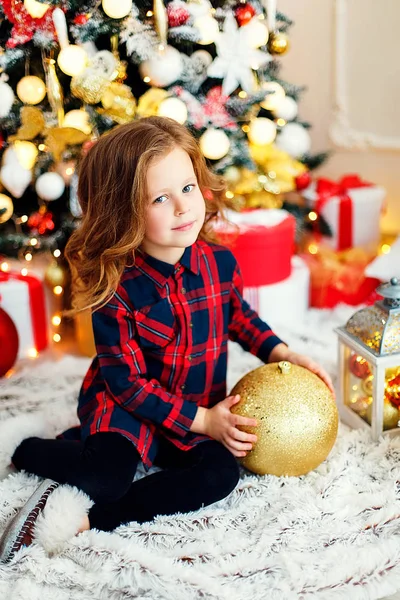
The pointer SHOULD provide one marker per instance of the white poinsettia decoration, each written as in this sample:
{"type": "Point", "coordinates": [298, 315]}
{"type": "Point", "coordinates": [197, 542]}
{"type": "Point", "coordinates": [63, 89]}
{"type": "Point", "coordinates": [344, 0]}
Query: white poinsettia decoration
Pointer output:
{"type": "Point", "coordinates": [236, 59]}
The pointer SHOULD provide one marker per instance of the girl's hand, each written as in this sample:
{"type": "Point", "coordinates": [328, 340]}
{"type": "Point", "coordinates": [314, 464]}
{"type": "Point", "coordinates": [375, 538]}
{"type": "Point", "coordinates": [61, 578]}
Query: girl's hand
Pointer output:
{"type": "Point", "coordinates": [221, 425]}
{"type": "Point", "coordinates": [308, 363]}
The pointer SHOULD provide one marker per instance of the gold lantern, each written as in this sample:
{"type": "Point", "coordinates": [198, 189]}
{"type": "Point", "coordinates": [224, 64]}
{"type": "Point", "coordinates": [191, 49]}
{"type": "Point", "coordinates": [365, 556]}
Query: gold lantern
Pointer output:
{"type": "Point", "coordinates": [369, 365]}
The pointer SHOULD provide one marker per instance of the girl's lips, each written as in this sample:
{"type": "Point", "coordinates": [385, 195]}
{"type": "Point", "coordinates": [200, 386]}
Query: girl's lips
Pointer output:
{"type": "Point", "coordinates": [185, 227]}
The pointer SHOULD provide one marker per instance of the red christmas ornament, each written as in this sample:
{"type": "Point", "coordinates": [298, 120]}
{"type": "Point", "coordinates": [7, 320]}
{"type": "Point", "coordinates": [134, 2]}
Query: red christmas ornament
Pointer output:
{"type": "Point", "coordinates": [81, 19]}
{"type": "Point", "coordinates": [302, 181]}
{"type": "Point", "coordinates": [243, 12]}
{"type": "Point", "coordinates": [41, 222]}
{"type": "Point", "coordinates": [392, 391]}
{"type": "Point", "coordinates": [177, 14]}
{"type": "Point", "coordinates": [359, 366]}
{"type": "Point", "coordinates": [8, 342]}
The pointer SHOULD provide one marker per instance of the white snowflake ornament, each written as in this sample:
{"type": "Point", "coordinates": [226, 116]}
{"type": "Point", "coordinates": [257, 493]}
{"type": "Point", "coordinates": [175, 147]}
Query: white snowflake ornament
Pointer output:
{"type": "Point", "coordinates": [236, 59]}
{"type": "Point", "coordinates": [7, 97]}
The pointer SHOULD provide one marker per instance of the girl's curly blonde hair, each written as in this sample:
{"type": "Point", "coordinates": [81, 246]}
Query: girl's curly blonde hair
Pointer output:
{"type": "Point", "coordinates": [113, 196]}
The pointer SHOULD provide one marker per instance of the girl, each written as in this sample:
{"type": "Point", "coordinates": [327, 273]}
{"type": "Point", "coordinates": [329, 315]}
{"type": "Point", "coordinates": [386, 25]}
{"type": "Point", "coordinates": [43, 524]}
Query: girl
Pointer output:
{"type": "Point", "coordinates": [165, 301]}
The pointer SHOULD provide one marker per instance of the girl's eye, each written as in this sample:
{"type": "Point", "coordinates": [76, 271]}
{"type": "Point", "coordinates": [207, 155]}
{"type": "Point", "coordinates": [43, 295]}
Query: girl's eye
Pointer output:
{"type": "Point", "coordinates": [160, 200]}
{"type": "Point", "coordinates": [188, 188]}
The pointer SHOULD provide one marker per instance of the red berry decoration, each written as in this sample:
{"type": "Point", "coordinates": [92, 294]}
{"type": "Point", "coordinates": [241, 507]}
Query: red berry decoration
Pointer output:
{"type": "Point", "coordinates": [244, 12]}
{"type": "Point", "coordinates": [302, 181]}
{"type": "Point", "coordinates": [41, 222]}
{"type": "Point", "coordinates": [177, 14]}
{"type": "Point", "coordinates": [9, 342]}
{"type": "Point", "coordinates": [359, 366]}
{"type": "Point", "coordinates": [81, 19]}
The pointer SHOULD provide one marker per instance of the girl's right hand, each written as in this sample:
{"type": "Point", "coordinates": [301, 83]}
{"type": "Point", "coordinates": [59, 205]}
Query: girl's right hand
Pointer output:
{"type": "Point", "coordinates": [222, 425]}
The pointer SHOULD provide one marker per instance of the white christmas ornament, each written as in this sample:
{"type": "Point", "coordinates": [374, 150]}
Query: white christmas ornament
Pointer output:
{"type": "Point", "coordinates": [31, 89]}
{"type": "Point", "coordinates": [275, 95]}
{"type": "Point", "coordinates": [13, 175]}
{"type": "Point", "coordinates": [26, 153]}
{"type": "Point", "coordinates": [262, 131]}
{"type": "Point", "coordinates": [72, 59]}
{"type": "Point", "coordinates": [202, 56]}
{"type": "Point", "coordinates": [78, 119]}
{"type": "Point", "coordinates": [163, 68]}
{"type": "Point", "coordinates": [174, 109]}
{"type": "Point", "coordinates": [235, 58]}
{"type": "Point", "coordinates": [214, 144]}
{"type": "Point", "coordinates": [286, 109]}
{"type": "Point", "coordinates": [49, 186]}
{"type": "Point", "coordinates": [197, 8]}
{"type": "Point", "coordinates": [208, 28]}
{"type": "Point", "coordinates": [37, 10]}
{"type": "Point", "coordinates": [117, 9]}
{"type": "Point", "coordinates": [6, 98]}
{"type": "Point", "coordinates": [257, 32]}
{"type": "Point", "coordinates": [294, 139]}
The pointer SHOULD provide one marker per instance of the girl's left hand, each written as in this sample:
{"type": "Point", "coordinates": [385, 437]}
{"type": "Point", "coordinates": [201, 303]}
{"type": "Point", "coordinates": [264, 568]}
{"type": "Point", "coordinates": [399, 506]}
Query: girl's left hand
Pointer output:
{"type": "Point", "coordinates": [308, 363]}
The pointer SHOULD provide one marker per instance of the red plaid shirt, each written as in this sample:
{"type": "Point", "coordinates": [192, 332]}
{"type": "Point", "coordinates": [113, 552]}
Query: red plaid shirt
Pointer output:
{"type": "Point", "coordinates": [161, 346]}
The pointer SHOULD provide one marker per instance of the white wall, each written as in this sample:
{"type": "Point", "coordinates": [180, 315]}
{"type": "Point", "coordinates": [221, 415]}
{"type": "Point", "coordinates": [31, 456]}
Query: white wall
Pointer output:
{"type": "Point", "coordinates": [373, 80]}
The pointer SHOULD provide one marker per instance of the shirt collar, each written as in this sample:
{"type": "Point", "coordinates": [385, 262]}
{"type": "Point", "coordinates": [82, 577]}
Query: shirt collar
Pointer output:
{"type": "Point", "coordinates": [159, 271]}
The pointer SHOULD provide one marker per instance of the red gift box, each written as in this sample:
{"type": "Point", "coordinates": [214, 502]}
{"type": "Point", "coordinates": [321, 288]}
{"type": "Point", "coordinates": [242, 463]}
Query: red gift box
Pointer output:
{"type": "Point", "coordinates": [352, 207]}
{"type": "Point", "coordinates": [339, 277]}
{"type": "Point", "coordinates": [22, 297]}
{"type": "Point", "coordinates": [262, 242]}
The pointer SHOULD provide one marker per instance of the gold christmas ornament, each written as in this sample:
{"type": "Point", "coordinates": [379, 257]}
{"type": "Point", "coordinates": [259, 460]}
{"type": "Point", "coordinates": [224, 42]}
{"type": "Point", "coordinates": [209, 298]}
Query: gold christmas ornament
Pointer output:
{"type": "Point", "coordinates": [297, 419]}
{"type": "Point", "coordinates": [118, 102]}
{"type": "Point", "coordinates": [58, 138]}
{"type": "Point", "coordinates": [6, 208]}
{"type": "Point", "coordinates": [278, 43]}
{"type": "Point", "coordinates": [391, 415]}
{"type": "Point", "coordinates": [55, 275]}
{"type": "Point", "coordinates": [31, 89]}
{"type": "Point", "coordinates": [89, 86]}
{"type": "Point", "coordinates": [264, 199]}
{"type": "Point", "coordinates": [160, 20]}
{"type": "Point", "coordinates": [32, 124]}
{"type": "Point", "coordinates": [54, 89]}
{"type": "Point", "coordinates": [150, 101]}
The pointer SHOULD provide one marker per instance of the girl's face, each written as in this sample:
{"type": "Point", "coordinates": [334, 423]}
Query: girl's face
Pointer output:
{"type": "Point", "coordinates": [176, 208]}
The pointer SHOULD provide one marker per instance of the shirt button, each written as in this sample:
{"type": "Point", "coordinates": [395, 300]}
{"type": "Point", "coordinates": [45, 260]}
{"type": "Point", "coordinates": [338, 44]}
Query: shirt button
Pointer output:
{"type": "Point", "coordinates": [189, 357]}
{"type": "Point", "coordinates": [183, 387]}
{"type": "Point", "coordinates": [183, 290]}
{"type": "Point", "coordinates": [190, 324]}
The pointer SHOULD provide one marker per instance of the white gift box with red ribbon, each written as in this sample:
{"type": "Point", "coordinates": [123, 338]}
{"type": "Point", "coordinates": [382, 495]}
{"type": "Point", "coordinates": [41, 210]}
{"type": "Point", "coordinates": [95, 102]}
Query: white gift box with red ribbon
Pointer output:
{"type": "Point", "coordinates": [352, 209]}
{"type": "Point", "coordinates": [284, 302]}
{"type": "Point", "coordinates": [22, 297]}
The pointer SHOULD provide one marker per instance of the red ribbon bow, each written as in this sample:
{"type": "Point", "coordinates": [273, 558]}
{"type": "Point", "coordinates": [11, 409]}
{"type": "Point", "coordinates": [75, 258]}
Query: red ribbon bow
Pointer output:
{"type": "Point", "coordinates": [326, 190]}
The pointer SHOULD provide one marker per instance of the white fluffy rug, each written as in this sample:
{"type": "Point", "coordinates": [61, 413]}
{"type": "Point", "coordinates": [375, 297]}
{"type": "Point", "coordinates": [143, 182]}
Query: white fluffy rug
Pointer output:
{"type": "Point", "coordinates": [334, 533]}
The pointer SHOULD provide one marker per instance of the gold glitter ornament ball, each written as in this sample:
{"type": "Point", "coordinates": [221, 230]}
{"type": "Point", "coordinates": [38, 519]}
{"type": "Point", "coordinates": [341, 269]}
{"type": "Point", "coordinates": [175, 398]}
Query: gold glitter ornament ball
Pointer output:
{"type": "Point", "coordinates": [297, 419]}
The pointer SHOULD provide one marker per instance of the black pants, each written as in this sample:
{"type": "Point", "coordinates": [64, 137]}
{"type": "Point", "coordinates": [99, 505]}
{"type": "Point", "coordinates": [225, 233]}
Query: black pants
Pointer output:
{"type": "Point", "coordinates": [104, 466]}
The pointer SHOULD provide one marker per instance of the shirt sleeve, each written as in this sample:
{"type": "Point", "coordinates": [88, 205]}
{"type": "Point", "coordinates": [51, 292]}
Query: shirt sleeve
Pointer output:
{"type": "Point", "coordinates": [245, 326]}
{"type": "Point", "coordinates": [123, 369]}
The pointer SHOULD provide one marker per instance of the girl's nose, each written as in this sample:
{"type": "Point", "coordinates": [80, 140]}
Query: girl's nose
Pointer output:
{"type": "Point", "coordinates": [181, 206]}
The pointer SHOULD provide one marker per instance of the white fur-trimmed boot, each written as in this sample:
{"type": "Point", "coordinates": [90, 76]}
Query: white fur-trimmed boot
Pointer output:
{"type": "Point", "coordinates": [51, 517]}
{"type": "Point", "coordinates": [13, 431]}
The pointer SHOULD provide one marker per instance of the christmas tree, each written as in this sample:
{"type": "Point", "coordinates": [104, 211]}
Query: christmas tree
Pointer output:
{"type": "Point", "coordinates": [71, 71]}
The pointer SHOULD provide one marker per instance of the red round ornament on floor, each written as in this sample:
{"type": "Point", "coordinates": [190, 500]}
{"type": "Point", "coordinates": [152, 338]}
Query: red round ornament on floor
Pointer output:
{"type": "Point", "coordinates": [9, 342]}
